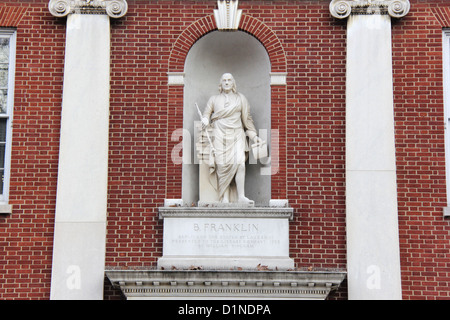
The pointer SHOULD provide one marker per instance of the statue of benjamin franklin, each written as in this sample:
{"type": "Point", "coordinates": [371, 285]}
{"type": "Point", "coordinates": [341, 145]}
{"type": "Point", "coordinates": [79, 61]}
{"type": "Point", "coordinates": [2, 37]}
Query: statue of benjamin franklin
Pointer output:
{"type": "Point", "coordinates": [228, 113]}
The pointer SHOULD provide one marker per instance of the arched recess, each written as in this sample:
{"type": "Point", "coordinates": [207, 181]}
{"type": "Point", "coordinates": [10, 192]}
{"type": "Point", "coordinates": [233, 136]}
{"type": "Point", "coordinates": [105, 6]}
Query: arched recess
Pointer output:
{"type": "Point", "coordinates": [242, 55]}
{"type": "Point", "coordinates": [278, 120]}
{"type": "Point", "coordinates": [207, 24]}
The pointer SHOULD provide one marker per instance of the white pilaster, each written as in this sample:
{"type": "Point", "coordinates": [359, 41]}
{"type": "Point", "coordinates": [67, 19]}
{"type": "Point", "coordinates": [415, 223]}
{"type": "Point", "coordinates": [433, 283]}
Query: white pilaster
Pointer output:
{"type": "Point", "coordinates": [373, 255]}
{"type": "Point", "coordinates": [81, 204]}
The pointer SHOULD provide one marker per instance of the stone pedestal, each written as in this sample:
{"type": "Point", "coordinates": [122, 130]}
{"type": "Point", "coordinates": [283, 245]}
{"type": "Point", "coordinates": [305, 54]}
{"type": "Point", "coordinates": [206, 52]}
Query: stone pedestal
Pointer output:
{"type": "Point", "coordinates": [224, 238]}
{"type": "Point", "coordinates": [224, 252]}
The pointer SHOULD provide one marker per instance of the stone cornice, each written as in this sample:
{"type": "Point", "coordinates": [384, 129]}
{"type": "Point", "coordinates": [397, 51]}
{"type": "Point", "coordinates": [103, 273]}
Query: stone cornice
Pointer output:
{"type": "Point", "coordinates": [343, 8]}
{"type": "Point", "coordinates": [113, 8]}
{"type": "Point", "coordinates": [225, 212]}
{"type": "Point", "coordinates": [141, 284]}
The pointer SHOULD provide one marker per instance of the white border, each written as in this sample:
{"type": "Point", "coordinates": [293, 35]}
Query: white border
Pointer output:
{"type": "Point", "coordinates": [446, 72]}
{"type": "Point", "coordinates": [4, 198]}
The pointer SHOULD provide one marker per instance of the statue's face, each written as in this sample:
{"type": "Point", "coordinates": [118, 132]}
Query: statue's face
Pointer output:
{"type": "Point", "coordinates": [227, 82]}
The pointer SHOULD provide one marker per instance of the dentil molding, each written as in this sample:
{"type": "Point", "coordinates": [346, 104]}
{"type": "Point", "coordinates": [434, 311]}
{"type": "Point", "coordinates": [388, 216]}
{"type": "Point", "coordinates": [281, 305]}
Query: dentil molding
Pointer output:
{"type": "Point", "coordinates": [113, 8]}
{"type": "Point", "coordinates": [225, 284]}
{"type": "Point", "coordinates": [343, 8]}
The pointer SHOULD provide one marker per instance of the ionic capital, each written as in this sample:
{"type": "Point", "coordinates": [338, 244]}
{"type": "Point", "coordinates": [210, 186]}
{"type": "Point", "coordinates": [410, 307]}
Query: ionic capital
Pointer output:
{"type": "Point", "coordinates": [343, 8]}
{"type": "Point", "coordinates": [113, 8]}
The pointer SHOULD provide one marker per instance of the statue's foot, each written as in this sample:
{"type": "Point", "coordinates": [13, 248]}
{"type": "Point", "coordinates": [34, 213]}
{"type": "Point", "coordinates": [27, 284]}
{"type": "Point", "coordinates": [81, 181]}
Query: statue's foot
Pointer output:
{"type": "Point", "coordinates": [243, 199]}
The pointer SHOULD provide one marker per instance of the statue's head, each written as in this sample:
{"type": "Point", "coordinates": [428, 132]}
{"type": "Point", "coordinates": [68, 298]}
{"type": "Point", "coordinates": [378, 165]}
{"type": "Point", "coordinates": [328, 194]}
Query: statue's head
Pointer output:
{"type": "Point", "coordinates": [227, 83]}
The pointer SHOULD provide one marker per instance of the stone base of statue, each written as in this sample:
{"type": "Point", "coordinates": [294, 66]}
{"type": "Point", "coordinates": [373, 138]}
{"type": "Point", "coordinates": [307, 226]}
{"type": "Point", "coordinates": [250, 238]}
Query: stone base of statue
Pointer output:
{"type": "Point", "coordinates": [225, 237]}
{"type": "Point", "coordinates": [225, 252]}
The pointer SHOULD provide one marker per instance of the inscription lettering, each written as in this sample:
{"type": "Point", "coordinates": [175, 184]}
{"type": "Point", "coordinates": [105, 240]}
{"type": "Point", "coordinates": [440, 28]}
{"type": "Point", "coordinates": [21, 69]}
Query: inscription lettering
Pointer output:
{"type": "Point", "coordinates": [226, 236]}
{"type": "Point", "coordinates": [224, 227]}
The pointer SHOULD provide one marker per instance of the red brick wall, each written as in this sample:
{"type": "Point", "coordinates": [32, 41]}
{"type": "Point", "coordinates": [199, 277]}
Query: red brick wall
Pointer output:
{"type": "Point", "coordinates": [419, 125]}
{"type": "Point", "coordinates": [152, 39]}
{"type": "Point", "coordinates": [26, 236]}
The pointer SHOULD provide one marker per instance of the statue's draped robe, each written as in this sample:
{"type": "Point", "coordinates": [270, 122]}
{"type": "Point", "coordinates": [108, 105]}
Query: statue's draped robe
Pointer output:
{"type": "Point", "coordinates": [231, 122]}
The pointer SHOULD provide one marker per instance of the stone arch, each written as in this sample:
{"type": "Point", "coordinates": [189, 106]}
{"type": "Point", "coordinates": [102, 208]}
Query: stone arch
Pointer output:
{"type": "Point", "coordinates": [207, 24]}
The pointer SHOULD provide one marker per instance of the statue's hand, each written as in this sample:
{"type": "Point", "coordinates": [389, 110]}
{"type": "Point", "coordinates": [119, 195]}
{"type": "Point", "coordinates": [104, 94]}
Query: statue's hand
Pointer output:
{"type": "Point", "coordinates": [205, 122]}
{"type": "Point", "coordinates": [258, 140]}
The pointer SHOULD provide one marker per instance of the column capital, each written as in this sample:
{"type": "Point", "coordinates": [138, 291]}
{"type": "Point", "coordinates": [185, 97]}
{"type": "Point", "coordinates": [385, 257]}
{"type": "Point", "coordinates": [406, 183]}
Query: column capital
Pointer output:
{"type": "Point", "coordinates": [395, 8]}
{"type": "Point", "coordinates": [113, 8]}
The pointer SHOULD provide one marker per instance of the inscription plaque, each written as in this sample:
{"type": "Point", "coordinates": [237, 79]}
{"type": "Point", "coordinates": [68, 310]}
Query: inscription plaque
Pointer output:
{"type": "Point", "coordinates": [225, 236]}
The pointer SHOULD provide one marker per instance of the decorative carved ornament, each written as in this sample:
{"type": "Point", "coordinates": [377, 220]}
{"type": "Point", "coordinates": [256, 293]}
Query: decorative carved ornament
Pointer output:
{"type": "Point", "coordinates": [113, 8]}
{"type": "Point", "coordinates": [343, 8]}
{"type": "Point", "coordinates": [227, 15]}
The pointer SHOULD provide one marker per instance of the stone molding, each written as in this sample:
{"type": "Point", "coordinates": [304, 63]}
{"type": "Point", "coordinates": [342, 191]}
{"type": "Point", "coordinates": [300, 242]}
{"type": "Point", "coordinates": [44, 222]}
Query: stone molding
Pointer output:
{"type": "Point", "coordinates": [225, 212]}
{"type": "Point", "coordinates": [343, 8]}
{"type": "Point", "coordinates": [113, 8]}
{"type": "Point", "coordinates": [447, 212]}
{"type": "Point", "coordinates": [175, 78]}
{"type": "Point", "coordinates": [6, 209]}
{"type": "Point", "coordinates": [201, 284]}
{"type": "Point", "coordinates": [278, 78]}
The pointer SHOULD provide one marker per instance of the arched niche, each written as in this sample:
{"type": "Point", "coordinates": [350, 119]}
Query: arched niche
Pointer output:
{"type": "Point", "coordinates": [246, 58]}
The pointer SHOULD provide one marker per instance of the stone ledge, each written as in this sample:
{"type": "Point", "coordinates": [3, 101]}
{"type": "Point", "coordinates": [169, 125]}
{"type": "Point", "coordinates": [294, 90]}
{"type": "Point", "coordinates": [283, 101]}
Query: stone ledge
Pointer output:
{"type": "Point", "coordinates": [446, 212]}
{"type": "Point", "coordinates": [247, 263]}
{"type": "Point", "coordinates": [6, 209]}
{"type": "Point", "coordinates": [199, 284]}
{"type": "Point", "coordinates": [225, 212]}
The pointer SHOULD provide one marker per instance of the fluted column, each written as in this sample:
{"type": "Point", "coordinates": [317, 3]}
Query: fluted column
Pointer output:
{"type": "Point", "coordinates": [373, 255]}
{"type": "Point", "coordinates": [80, 221]}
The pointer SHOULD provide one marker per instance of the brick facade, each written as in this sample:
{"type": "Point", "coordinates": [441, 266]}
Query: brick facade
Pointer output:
{"type": "Point", "coordinates": [302, 39]}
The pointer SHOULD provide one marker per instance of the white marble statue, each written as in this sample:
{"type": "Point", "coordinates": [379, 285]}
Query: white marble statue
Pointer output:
{"type": "Point", "coordinates": [228, 114]}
